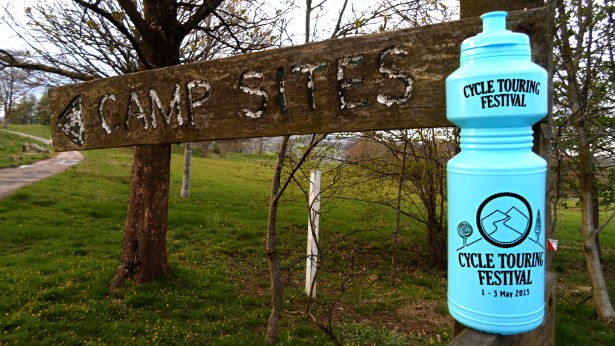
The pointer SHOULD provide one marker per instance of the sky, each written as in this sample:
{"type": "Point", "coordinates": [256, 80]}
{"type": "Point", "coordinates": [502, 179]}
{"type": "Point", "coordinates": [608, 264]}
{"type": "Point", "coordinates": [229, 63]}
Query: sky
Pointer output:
{"type": "Point", "coordinates": [9, 40]}
{"type": "Point", "coordinates": [7, 37]}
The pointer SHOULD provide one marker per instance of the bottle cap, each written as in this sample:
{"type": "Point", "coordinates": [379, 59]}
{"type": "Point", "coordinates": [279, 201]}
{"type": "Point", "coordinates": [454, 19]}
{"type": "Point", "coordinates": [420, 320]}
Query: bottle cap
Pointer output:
{"type": "Point", "coordinates": [495, 40]}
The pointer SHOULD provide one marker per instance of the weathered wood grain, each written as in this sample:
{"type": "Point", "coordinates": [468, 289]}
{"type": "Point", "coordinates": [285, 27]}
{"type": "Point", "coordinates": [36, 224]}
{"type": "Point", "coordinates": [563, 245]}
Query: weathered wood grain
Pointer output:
{"type": "Point", "coordinates": [383, 81]}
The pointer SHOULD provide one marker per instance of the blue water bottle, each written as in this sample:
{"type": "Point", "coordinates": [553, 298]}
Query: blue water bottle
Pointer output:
{"type": "Point", "coordinates": [496, 184]}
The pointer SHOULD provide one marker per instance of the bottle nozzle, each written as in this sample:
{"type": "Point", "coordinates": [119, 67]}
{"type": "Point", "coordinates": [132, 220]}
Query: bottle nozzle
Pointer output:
{"type": "Point", "coordinates": [495, 40]}
{"type": "Point", "coordinates": [494, 21]}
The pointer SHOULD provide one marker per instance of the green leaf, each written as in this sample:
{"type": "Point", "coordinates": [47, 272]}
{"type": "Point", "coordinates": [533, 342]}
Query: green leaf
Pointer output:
{"type": "Point", "coordinates": [119, 16]}
{"type": "Point", "coordinates": [92, 24]}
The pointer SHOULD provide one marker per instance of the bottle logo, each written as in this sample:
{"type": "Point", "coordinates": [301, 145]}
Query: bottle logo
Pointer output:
{"type": "Point", "coordinates": [504, 219]}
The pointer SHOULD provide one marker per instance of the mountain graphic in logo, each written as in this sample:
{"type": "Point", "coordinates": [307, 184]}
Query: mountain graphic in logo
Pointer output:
{"type": "Point", "coordinates": [505, 227]}
{"type": "Point", "coordinates": [504, 219]}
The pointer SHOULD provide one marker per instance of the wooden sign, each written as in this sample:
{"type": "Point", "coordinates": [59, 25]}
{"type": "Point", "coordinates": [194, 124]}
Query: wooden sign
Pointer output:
{"type": "Point", "coordinates": [389, 80]}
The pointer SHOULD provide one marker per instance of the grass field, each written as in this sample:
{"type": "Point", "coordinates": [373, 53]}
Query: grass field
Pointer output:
{"type": "Point", "coordinates": [43, 131]}
{"type": "Point", "coordinates": [60, 242]}
{"type": "Point", "coordinates": [11, 154]}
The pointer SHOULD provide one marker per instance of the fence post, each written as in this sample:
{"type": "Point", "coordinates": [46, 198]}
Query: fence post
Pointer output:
{"type": "Point", "coordinates": [312, 236]}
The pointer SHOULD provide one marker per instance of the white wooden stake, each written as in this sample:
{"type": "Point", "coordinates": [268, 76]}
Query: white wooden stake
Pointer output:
{"type": "Point", "coordinates": [312, 238]}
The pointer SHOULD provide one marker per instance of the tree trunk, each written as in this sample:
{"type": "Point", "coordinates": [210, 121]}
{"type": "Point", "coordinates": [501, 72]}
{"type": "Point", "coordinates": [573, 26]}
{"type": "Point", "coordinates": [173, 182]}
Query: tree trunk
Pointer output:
{"type": "Point", "coordinates": [8, 108]}
{"type": "Point", "coordinates": [144, 254]}
{"type": "Point", "coordinates": [579, 73]}
{"type": "Point", "coordinates": [205, 148]}
{"type": "Point", "coordinates": [437, 243]}
{"type": "Point", "coordinates": [6, 118]}
{"type": "Point", "coordinates": [187, 167]}
{"type": "Point", "coordinates": [275, 273]}
{"type": "Point", "coordinates": [400, 186]}
{"type": "Point", "coordinates": [434, 234]}
{"type": "Point", "coordinates": [596, 219]}
{"type": "Point", "coordinates": [435, 228]}
{"type": "Point", "coordinates": [600, 295]}
{"type": "Point", "coordinates": [589, 229]}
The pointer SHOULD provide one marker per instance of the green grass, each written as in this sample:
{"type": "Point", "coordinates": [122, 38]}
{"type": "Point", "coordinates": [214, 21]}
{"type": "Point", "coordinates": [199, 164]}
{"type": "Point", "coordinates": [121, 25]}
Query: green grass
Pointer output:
{"type": "Point", "coordinates": [11, 154]}
{"type": "Point", "coordinates": [576, 322]}
{"type": "Point", "coordinates": [43, 131]}
{"type": "Point", "coordinates": [60, 241]}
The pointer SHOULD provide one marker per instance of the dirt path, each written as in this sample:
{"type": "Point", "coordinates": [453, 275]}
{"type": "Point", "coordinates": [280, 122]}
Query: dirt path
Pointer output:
{"type": "Point", "coordinates": [11, 179]}
{"type": "Point", "coordinates": [42, 140]}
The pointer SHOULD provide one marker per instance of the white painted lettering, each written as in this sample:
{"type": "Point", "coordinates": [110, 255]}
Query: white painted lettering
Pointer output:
{"type": "Point", "coordinates": [309, 70]}
{"type": "Point", "coordinates": [394, 74]}
{"type": "Point", "coordinates": [282, 92]}
{"type": "Point", "coordinates": [251, 74]}
{"type": "Point", "coordinates": [174, 106]}
{"type": "Point", "coordinates": [133, 102]}
{"type": "Point", "coordinates": [343, 83]}
{"type": "Point", "coordinates": [194, 103]}
{"type": "Point", "coordinates": [101, 112]}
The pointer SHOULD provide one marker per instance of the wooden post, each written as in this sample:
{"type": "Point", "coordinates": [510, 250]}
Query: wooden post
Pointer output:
{"type": "Point", "coordinates": [185, 193]}
{"type": "Point", "coordinates": [545, 334]}
{"type": "Point", "coordinates": [312, 237]}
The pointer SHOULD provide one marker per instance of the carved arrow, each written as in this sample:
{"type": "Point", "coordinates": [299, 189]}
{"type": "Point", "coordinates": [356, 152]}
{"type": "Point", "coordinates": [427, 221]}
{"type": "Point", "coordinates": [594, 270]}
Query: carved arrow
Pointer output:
{"type": "Point", "coordinates": [70, 121]}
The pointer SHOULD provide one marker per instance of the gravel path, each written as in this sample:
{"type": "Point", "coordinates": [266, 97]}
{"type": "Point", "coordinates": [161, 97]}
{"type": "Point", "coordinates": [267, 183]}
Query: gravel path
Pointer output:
{"type": "Point", "coordinates": [14, 178]}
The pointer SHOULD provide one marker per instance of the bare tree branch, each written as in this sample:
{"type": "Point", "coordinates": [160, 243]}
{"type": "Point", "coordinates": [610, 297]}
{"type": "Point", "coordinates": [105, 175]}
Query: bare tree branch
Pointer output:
{"type": "Point", "coordinates": [8, 60]}
{"type": "Point", "coordinates": [206, 9]}
{"type": "Point", "coordinates": [119, 26]}
{"type": "Point", "coordinates": [137, 19]}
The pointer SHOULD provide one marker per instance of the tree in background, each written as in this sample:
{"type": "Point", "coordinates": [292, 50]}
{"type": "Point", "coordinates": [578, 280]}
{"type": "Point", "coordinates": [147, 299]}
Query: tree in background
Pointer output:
{"type": "Point", "coordinates": [28, 110]}
{"type": "Point", "coordinates": [353, 18]}
{"type": "Point", "coordinates": [13, 85]}
{"type": "Point", "coordinates": [584, 86]}
{"type": "Point", "coordinates": [87, 39]}
{"type": "Point", "coordinates": [400, 145]}
{"type": "Point", "coordinates": [415, 162]}
{"type": "Point", "coordinates": [42, 110]}
{"type": "Point", "coordinates": [24, 111]}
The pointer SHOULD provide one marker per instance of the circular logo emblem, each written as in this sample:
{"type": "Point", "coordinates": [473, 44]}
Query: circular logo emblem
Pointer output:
{"type": "Point", "coordinates": [504, 219]}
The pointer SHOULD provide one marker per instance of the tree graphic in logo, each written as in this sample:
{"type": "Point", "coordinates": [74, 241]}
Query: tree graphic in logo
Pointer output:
{"type": "Point", "coordinates": [504, 219]}
{"type": "Point", "coordinates": [464, 230]}
{"type": "Point", "coordinates": [538, 228]}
